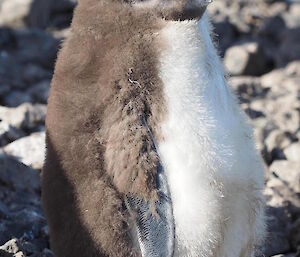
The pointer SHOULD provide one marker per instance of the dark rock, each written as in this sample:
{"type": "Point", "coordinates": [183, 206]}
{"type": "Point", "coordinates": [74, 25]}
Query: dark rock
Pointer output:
{"type": "Point", "coordinates": [23, 219]}
{"type": "Point", "coordinates": [225, 34]}
{"type": "Point", "coordinates": [4, 89]}
{"type": "Point", "coordinates": [35, 13]}
{"type": "Point", "coordinates": [27, 60]}
{"type": "Point", "coordinates": [289, 49]}
{"type": "Point", "coordinates": [43, 52]}
{"type": "Point", "coordinates": [17, 175]}
{"type": "Point", "coordinates": [272, 27]}
{"type": "Point", "coordinates": [3, 211]}
{"type": "Point", "coordinates": [47, 253]}
{"type": "Point", "coordinates": [9, 133]}
{"type": "Point", "coordinates": [45, 13]}
{"type": "Point", "coordinates": [16, 98]}
{"type": "Point", "coordinates": [277, 237]}
{"type": "Point", "coordinates": [295, 234]}
{"type": "Point", "coordinates": [40, 13]}
{"type": "Point", "coordinates": [33, 74]}
{"type": "Point", "coordinates": [40, 91]}
{"type": "Point", "coordinates": [5, 254]}
{"type": "Point", "coordinates": [248, 88]}
{"type": "Point", "coordinates": [254, 114]}
{"type": "Point", "coordinates": [6, 38]}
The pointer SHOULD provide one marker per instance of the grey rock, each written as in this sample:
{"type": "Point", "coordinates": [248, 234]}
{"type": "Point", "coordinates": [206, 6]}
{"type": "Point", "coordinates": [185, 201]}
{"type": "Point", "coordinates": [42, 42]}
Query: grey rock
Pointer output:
{"type": "Point", "coordinates": [292, 84]}
{"type": "Point", "coordinates": [287, 172]}
{"type": "Point", "coordinates": [19, 254]}
{"type": "Point", "coordinates": [277, 8]}
{"type": "Point", "coordinates": [25, 116]}
{"type": "Point", "coordinates": [293, 69]}
{"type": "Point", "coordinates": [14, 12]}
{"type": "Point", "coordinates": [246, 59]}
{"type": "Point", "coordinates": [273, 79]}
{"type": "Point", "coordinates": [292, 17]}
{"type": "Point", "coordinates": [284, 113]}
{"type": "Point", "coordinates": [29, 150]}
{"type": "Point", "coordinates": [11, 246]}
{"type": "Point", "coordinates": [292, 152]}
{"type": "Point", "coordinates": [21, 247]}
{"type": "Point", "coordinates": [281, 104]}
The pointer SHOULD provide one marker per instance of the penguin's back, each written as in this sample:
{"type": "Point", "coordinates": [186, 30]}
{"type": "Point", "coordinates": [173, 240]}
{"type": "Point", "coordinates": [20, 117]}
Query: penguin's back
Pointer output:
{"type": "Point", "coordinates": [105, 107]}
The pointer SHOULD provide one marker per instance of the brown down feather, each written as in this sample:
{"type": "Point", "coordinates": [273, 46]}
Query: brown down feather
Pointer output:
{"type": "Point", "coordinates": [105, 109]}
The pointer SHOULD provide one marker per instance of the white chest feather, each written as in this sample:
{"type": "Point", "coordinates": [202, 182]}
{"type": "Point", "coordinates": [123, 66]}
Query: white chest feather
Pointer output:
{"type": "Point", "coordinates": [213, 171]}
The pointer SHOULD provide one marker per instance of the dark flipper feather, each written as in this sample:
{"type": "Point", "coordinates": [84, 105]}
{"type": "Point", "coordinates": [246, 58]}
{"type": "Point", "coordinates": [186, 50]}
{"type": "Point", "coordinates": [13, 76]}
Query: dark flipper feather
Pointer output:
{"type": "Point", "coordinates": [156, 233]}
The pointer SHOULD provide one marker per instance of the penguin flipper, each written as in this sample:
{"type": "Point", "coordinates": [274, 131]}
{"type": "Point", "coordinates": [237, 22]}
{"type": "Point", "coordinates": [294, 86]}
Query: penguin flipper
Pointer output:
{"type": "Point", "coordinates": [156, 233]}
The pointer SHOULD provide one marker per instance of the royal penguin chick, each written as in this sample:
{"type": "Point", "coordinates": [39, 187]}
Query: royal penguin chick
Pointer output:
{"type": "Point", "coordinates": [148, 153]}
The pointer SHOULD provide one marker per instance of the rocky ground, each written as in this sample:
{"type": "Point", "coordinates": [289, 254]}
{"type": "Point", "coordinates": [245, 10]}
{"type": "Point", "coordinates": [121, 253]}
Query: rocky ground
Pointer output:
{"type": "Point", "coordinates": [260, 43]}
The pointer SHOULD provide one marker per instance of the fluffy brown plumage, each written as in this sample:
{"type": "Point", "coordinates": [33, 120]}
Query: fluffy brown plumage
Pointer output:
{"type": "Point", "coordinates": [106, 103]}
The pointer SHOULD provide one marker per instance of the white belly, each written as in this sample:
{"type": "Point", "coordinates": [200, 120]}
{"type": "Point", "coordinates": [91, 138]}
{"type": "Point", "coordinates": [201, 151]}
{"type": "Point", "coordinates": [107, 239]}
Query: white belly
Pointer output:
{"type": "Point", "coordinates": [213, 171]}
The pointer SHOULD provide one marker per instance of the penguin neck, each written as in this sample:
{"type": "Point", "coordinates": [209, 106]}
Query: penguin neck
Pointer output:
{"type": "Point", "coordinates": [190, 63]}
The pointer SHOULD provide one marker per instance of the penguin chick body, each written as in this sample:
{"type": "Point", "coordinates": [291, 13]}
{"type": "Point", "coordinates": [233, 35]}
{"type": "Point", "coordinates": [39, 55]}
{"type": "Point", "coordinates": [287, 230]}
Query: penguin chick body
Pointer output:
{"type": "Point", "coordinates": [148, 153]}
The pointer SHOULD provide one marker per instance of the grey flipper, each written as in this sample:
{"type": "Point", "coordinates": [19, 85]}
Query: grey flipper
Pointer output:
{"type": "Point", "coordinates": [156, 233]}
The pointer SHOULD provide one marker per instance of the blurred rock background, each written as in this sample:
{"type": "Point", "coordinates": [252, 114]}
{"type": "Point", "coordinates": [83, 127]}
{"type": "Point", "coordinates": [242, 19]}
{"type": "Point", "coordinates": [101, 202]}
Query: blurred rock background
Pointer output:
{"type": "Point", "coordinates": [260, 43]}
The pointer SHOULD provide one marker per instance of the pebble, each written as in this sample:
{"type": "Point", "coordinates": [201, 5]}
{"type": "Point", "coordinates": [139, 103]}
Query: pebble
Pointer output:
{"type": "Point", "coordinates": [29, 150]}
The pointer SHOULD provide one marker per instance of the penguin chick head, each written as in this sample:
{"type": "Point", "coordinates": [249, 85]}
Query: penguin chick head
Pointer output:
{"type": "Point", "coordinates": [173, 9]}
